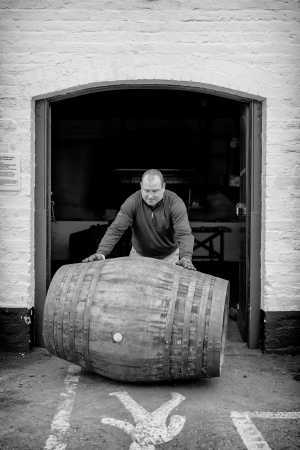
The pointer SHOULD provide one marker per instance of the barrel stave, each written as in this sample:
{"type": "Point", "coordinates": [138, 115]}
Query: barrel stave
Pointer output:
{"type": "Point", "coordinates": [215, 328]}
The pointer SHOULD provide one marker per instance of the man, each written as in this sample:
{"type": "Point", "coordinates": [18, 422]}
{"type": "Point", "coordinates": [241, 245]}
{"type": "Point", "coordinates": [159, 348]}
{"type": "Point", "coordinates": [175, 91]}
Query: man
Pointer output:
{"type": "Point", "coordinates": [159, 222]}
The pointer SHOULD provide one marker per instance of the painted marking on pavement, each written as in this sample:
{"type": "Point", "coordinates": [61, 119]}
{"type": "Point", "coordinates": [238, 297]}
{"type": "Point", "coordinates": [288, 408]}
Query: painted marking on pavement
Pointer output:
{"type": "Point", "coordinates": [275, 415]}
{"type": "Point", "coordinates": [60, 423]}
{"type": "Point", "coordinates": [150, 428]}
{"type": "Point", "coordinates": [249, 433]}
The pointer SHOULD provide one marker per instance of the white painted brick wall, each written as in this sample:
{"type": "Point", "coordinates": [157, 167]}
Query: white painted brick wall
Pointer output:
{"type": "Point", "coordinates": [246, 45]}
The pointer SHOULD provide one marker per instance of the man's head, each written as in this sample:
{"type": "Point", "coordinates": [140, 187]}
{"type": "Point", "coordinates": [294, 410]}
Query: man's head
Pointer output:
{"type": "Point", "coordinates": [152, 186]}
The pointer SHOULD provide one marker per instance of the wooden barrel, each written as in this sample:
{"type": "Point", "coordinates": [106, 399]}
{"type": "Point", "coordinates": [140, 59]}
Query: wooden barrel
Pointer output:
{"type": "Point", "coordinates": [137, 319]}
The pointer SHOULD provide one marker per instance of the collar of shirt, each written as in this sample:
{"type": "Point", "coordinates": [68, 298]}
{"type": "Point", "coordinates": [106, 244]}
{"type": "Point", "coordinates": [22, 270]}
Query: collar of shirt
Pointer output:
{"type": "Point", "coordinates": [157, 205]}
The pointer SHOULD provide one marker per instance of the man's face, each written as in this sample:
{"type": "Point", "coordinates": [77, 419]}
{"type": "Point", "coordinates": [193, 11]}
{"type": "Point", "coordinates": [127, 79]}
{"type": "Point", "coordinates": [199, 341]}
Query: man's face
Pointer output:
{"type": "Point", "coordinates": [152, 189]}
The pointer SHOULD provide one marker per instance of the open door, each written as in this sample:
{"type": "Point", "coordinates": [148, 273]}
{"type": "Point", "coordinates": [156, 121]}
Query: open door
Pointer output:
{"type": "Point", "coordinates": [42, 226]}
{"type": "Point", "coordinates": [242, 211]}
{"type": "Point", "coordinates": [248, 211]}
{"type": "Point", "coordinates": [248, 206]}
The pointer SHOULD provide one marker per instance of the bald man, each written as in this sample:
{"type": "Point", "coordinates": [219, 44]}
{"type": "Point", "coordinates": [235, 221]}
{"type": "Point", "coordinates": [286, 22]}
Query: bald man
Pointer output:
{"type": "Point", "coordinates": [159, 222]}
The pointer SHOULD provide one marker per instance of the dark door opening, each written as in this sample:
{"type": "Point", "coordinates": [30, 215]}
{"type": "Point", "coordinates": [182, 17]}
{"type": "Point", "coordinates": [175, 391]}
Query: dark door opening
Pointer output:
{"type": "Point", "coordinates": [102, 142]}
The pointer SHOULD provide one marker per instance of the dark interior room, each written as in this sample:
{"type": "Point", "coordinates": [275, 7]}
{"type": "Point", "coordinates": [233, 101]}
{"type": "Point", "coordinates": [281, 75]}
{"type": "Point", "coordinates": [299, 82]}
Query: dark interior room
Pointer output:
{"type": "Point", "coordinates": [103, 142]}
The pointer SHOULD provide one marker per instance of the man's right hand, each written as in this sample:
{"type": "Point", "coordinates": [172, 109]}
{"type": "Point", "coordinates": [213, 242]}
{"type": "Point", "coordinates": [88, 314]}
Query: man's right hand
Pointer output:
{"type": "Point", "coordinates": [94, 257]}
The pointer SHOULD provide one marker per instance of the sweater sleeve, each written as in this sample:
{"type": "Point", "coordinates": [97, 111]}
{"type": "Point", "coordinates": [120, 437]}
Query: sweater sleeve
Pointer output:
{"type": "Point", "coordinates": [118, 227]}
{"type": "Point", "coordinates": [182, 229]}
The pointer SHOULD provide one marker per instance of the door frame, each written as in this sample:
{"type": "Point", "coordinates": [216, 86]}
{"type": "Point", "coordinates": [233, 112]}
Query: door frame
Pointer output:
{"type": "Point", "coordinates": [42, 225]}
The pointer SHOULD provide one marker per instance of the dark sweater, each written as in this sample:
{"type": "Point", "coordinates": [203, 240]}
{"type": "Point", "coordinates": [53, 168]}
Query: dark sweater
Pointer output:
{"type": "Point", "coordinates": [157, 231]}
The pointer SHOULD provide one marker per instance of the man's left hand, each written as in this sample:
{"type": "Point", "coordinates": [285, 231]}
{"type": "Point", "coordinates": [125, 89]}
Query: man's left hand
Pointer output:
{"type": "Point", "coordinates": [186, 263]}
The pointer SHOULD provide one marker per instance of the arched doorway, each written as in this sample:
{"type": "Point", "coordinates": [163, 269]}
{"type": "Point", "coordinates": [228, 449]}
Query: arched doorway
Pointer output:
{"type": "Point", "coordinates": [93, 145]}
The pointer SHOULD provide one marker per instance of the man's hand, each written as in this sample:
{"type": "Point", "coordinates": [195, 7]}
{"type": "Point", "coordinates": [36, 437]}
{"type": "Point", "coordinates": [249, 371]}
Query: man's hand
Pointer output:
{"type": "Point", "coordinates": [94, 257]}
{"type": "Point", "coordinates": [186, 263]}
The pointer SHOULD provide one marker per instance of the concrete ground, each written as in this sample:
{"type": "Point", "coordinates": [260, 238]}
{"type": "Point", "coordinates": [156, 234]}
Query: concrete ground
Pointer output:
{"type": "Point", "coordinates": [48, 403]}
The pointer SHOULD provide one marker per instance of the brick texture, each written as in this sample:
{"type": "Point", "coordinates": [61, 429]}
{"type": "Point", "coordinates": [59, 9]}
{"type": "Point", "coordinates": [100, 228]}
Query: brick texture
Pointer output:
{"type": "Point", "coordinates": [245, 45]}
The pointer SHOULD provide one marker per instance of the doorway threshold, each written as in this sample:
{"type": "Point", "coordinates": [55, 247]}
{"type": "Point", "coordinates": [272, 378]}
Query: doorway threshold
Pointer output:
{"type": "Point", "coordinates": [235, 346]}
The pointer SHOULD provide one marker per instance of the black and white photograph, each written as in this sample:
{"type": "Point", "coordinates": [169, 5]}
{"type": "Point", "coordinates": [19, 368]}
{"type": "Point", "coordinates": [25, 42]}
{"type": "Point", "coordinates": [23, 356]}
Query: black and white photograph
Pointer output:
{"type": "Point", "coordinates": [149, 224]}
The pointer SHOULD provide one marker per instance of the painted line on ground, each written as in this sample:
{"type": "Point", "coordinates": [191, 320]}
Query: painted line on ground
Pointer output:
{"type": "Point", "coordinates": [60, 423]}
{"type": "Point", "coordinates": [249, 433]}
{"type": "Point", "coordinates": [275, 415]}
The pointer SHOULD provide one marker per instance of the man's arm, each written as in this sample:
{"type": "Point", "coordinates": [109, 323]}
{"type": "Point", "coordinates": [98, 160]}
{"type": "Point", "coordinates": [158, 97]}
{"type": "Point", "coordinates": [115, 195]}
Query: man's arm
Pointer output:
{"type": "Point", "coordinates": [114, 232]}
{"type": "Point", "coordinates": [183, 234]}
